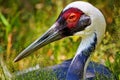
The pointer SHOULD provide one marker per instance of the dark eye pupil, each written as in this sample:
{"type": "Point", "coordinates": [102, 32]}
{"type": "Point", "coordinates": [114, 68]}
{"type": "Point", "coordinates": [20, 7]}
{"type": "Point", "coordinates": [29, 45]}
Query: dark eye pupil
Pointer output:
{"type": "Point", "coordinates": [71, 17]}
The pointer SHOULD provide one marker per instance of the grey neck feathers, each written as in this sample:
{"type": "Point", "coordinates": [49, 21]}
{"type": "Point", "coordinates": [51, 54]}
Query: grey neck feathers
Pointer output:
{"type": "Point", "coordinates": [78, 66]}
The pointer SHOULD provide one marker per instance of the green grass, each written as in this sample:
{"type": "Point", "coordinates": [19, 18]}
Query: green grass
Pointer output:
{"type": "Point", "coordinates": [37, 75]}
{"type": "Point", "coordinates": [21, 22]}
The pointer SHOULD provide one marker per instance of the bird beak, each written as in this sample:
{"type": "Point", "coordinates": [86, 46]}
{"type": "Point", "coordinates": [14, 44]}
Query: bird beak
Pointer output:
{"type": "Point", "coordinates": [51, 35]}
{"type": "Point", "coordinates": [56, 32]}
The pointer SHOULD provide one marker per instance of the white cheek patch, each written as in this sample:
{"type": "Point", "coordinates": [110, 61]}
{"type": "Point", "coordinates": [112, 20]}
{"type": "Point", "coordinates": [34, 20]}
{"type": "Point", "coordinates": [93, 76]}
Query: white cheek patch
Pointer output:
{"type": "Point", "coordinates": [80, 33]}
{"type": "Point", "coordinates": [85, 32]}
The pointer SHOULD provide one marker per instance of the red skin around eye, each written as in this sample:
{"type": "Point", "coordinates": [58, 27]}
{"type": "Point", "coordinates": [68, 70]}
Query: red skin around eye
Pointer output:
{"type": "Point", "coordinates": [72, 17]}
{"type": "Point", "coordinates": [72, 22]}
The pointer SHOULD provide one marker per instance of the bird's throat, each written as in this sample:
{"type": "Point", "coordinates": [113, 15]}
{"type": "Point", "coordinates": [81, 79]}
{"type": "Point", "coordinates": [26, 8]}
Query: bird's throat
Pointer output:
{"type": "Point", "coordinates": [79, 63]}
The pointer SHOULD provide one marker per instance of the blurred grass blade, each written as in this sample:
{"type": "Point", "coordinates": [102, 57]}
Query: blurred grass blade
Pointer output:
{"type": "Point", "coordinates": [5, 70]}
{"type": "Point", "coordinates": [6, 23]}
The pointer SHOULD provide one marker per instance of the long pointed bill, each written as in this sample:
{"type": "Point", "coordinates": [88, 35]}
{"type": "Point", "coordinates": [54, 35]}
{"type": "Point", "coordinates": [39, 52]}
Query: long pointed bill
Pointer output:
{"type": "Point", "coordinates": [51, 35]}
{"type": "Point", "coordinates": [59, 30]}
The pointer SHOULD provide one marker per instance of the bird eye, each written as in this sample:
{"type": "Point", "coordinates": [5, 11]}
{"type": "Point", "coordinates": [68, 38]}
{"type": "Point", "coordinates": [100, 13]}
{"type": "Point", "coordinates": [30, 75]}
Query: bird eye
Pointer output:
{"type": "Point", "coordinates": [72, 17]}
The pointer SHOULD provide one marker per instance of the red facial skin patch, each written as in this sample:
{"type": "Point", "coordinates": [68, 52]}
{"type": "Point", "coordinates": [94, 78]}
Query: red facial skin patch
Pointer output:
{"type": "Point", "coordinates": [72, 16]}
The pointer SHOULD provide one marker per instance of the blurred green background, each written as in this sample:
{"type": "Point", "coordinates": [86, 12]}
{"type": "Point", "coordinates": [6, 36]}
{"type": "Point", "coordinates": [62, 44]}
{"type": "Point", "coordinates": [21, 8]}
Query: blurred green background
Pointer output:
{"type": "Point", "coordinates": [23, 21]}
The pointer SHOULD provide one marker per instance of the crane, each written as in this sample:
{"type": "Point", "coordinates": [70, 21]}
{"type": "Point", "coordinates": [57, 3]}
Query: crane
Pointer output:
{"type": "Point", "coordinates": [82, 19]}
{"type": "Point", "coordinates": [94, 71]}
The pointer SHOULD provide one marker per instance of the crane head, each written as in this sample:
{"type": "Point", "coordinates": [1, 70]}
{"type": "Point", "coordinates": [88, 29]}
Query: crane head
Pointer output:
{"type": "Point", "coordinates": [77, 18]}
